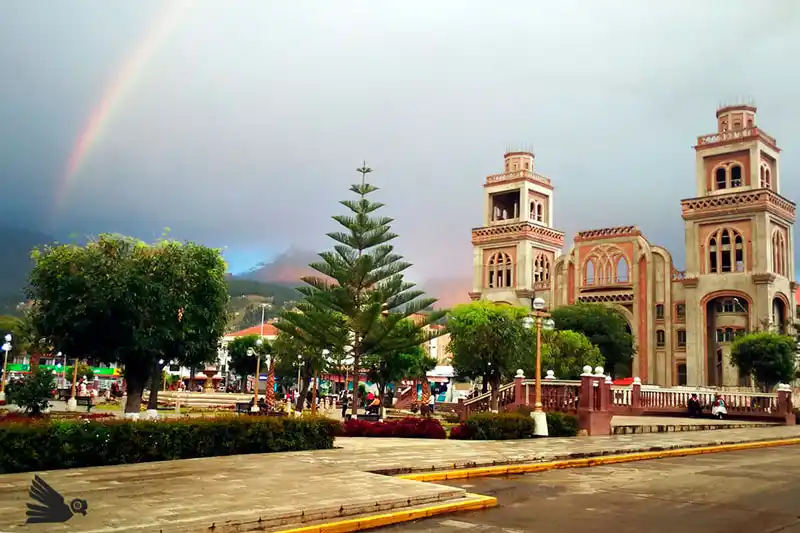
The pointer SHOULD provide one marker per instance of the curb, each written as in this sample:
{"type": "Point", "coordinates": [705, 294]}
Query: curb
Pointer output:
{"type": "Point", "coordinates": [474, 502]}
{"type": "Point", "coordinates": [530, 468]}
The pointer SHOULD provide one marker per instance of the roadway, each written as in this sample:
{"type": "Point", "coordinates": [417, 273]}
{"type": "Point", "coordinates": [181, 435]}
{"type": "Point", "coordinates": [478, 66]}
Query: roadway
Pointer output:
{"type": "Point", "coordinates": [756, 491]}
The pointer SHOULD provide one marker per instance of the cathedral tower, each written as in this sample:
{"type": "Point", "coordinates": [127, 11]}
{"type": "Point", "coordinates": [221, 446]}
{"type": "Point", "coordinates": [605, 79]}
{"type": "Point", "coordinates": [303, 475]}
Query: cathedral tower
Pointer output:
{"type": "Point", "coordinates": [516, 247]}
{"type": "Point", "coordinates": [739, 246]}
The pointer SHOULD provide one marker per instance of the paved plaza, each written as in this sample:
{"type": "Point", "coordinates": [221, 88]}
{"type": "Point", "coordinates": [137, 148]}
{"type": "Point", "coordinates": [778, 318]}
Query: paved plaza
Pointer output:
{"type": "Point", "coordinates": [267, 491]}
{"type": "Point", "coordinates": [751, 491]}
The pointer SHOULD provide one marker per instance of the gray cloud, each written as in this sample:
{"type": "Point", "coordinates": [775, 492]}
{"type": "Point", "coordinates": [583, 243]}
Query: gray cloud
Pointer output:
{"type": "Point", "coordinates": [247, 125]}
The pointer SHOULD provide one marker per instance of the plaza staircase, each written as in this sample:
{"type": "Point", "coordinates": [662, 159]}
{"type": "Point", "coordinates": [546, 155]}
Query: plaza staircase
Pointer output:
{"type": "Point", "coordinates": [201, 400]}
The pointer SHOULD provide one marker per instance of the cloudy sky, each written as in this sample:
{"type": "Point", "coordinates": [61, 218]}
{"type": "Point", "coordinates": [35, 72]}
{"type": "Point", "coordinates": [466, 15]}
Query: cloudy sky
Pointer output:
{"type": "Point", "coordinates": [240, 123]}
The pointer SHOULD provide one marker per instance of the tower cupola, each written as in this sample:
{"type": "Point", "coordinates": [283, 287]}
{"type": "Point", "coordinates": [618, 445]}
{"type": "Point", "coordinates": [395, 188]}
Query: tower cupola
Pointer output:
{"type": "Point", "coordinates": [736, 117]}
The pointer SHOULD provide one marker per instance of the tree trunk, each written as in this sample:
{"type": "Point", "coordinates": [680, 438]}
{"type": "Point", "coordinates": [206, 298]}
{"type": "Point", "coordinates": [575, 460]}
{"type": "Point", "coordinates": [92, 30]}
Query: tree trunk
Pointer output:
{"type": "Point", "coordinates": [485, 384]}
{"type": "Point", "coordinates": [382, 397]}
{"type": "Point", "coordinates": [494, 404]}
{"type": "Point", "coordinates": [134, 391]}
{"type": "Point", "coordinates": [356, 379]}
{"type": "Point", "coordinates": [155, 385]}
{"type": "Point", "coordinates": [302, 393]}
{"type": "Point", "coordinates": [269, 392]}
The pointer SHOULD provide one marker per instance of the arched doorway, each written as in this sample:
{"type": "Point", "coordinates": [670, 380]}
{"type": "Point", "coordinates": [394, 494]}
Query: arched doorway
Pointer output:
{"type": "Point", "coordinates": [727, 316]}
{"type": "Point", "coordinates": [625, 371]}
{"type": "Point", "coordinates": [779, 314]}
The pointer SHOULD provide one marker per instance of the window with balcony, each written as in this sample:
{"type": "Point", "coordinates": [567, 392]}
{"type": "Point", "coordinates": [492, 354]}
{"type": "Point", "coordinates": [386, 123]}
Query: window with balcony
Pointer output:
{"type": "Point", "coordinates": [736, 176]}
{"type": "Point", "coordinates": [681, 375]}
{"type": "Point", "coordinates": [681, 338]}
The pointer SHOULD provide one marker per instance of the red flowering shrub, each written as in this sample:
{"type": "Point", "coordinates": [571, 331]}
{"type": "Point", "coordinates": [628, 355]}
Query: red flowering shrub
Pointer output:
{"type": "Point", "coordinates": [17, 417]}
{"type": "Point", "coordinates": [413, 428]}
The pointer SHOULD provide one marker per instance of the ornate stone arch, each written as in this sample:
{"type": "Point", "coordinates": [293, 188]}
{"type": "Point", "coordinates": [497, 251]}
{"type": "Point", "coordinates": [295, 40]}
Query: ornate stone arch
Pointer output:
{"type": "Point", "coordinates": [606, 260]}
{"type": "Point", "coordinates": [726, 292]}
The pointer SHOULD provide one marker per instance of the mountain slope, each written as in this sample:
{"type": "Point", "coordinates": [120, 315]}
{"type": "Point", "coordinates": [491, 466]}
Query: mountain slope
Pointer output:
{"type": "Point", "coordinates": [16, 263]}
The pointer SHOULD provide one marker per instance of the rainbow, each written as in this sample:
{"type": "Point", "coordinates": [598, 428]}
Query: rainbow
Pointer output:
{"type": "Point", "coordinates": [122, 82]}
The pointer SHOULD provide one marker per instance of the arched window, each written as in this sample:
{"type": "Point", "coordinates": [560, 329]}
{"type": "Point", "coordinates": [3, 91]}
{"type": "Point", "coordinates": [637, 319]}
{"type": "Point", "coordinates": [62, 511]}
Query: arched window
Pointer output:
{"type": "Point", "coordinates": [660, 311]}
{"type": "Point", "coordinates": [720, 178]}
{"type": "Point", "coordinates": [712, 254]}
{"type": "Point", "coordinates": [765, 181]}
{"type": "Point", "coordinates": [499, 270]}
{"type": "Point", "coordinates": [622, 270]}
{"type": "Point", "coordinates": [588, 272]}
{"type": "Point", "coordinates": [726, 251]}
{"type": "Point", "coordinates": [736, 176]}
{"type": "Point", "coordinates": [539, 213]}
{"type": "Point", "coordinates": [541, 268]}
{"type": "Point", "coordinates": [661, 338]}
{"type": "Point", "coordinates": [778, 253]}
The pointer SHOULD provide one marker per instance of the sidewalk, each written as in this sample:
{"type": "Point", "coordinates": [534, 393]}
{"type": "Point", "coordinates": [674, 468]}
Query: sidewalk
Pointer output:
{"type": "Point", "coordinates": [269, 491]}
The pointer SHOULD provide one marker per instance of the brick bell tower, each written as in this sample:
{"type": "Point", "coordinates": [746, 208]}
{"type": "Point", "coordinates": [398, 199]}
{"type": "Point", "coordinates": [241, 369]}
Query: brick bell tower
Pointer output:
{"type": "Point", "coordinates": [739, 245]}
{"type": "Point", "coordinates": [515, 249]}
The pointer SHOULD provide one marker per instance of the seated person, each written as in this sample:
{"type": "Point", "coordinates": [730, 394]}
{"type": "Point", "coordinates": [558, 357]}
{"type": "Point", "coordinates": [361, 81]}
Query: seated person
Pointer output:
{"type": "Point", "coordinates": [374, 406]}
{"type": "Point", "coordinates": [695, 409]}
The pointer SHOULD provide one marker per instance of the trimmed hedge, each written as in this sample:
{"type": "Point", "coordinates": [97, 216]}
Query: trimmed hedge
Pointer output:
{"type": "Point", "coordinates": [506, 426]}
{"type": "Point", "coordinates": [410, 427]}
{"type": "Point", "coordinates": [56, 445]}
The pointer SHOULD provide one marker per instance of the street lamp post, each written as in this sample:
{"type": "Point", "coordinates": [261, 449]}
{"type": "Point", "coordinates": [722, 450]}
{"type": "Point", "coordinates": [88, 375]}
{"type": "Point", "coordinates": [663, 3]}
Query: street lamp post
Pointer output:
{"type": "Point", "coordinates": [541, 319]}
{"type": "Point", "coordinates": [257, 353]}
{"type": "Point", "coordinates": [6, 349]}
{"type": "Point", "coordinates": [63, 368]}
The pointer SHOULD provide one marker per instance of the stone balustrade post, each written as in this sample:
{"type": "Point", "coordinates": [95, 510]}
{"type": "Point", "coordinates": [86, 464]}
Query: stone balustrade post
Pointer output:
{"type": "Point", "coordinates": [636, 397]}
{"type": "Point", "coordinates": [461, 409]}
{"type": "Point", "coordinates": [594, 409]}
{"type": "Point", "coordinates": [519, 391]}
{"type": "Point", "coordinates": [785, 403]}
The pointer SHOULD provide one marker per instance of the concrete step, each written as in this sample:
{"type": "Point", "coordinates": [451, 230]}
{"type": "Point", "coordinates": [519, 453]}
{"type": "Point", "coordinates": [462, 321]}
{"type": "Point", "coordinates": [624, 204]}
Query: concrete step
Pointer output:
{"type": "Point", "coordinates": [666, 427]}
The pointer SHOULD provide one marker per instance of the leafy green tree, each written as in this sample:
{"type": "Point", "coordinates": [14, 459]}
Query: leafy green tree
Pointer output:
{"type": "Point", "coordinates": [84, 370]}
{"type": "Point", "coordinates": [767, 356]}
{"type": "Point", "coordinates": [292, 353]}
{"type": "Point", "coordinates": [242, 364]}
{"type": "Point", "coordinates": [566, 352]}
{"type": "Point", "coordinates": [119, 300]}
{"type": "Point", "coordinates": [488, 340]}
{"type": "Point", "coordinates": [361, 281]}
{"type": "Point", "coordinates": [32, 393]}
{"type": "Point", "coordinates": [605, 327]}
{"type": "Point", "coordinates": [390, 366]}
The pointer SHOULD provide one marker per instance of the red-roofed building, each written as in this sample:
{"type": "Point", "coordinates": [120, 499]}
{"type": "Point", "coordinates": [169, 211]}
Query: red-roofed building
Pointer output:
{"type": "Point", "coordinates": [269, 332]}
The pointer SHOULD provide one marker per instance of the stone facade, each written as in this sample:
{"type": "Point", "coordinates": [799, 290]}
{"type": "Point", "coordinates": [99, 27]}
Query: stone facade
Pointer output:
{"type": "Point", "coordinates": [739, 248]}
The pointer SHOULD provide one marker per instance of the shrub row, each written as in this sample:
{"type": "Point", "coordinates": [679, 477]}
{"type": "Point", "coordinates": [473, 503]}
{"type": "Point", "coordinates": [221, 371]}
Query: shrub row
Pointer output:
{"type": "Point", "coordinates": [505, 426]}
{"type": "Point", "coordinates": [419, 428]}
{"type": "Point", "coordinates": [48, 445]}
{"type": "Point", "coordinates": [482, 426]}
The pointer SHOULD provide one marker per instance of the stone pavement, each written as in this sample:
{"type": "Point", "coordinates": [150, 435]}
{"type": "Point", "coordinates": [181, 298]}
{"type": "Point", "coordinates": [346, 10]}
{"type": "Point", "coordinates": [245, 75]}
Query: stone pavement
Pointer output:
{"type": "Point", "coordinates": [265, 491]}
{"type": "Point", "coordinates": [737, 492]}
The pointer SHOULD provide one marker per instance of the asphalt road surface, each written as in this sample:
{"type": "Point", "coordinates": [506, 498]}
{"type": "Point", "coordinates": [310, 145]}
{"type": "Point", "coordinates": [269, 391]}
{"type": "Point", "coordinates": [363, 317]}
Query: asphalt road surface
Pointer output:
{"type": "Point", "coordinates": [755, 491]}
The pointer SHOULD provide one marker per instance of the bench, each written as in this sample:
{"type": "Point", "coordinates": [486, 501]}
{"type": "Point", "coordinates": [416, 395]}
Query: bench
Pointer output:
{"type": "Point", "coordinates": [369, 418]}
{"type": "Point", "coordinates": [242, 408]}
{"type": "Point", "coordinates": [86, 401]}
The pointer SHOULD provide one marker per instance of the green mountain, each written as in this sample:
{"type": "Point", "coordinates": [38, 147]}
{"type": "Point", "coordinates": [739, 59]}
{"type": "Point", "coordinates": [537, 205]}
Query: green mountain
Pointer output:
{"type": "Point", "coordinates": [16, 264]}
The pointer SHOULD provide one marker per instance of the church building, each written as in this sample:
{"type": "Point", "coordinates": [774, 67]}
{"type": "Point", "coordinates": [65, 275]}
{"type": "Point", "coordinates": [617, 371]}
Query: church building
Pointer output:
{"type": "Point", "coordinates": [739, 250]}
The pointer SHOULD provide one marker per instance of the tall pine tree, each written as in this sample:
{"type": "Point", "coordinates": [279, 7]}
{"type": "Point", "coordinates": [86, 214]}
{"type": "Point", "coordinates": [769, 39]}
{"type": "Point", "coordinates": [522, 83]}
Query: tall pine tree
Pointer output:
{"type": "Point", "coordinates": [361, 296]}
